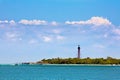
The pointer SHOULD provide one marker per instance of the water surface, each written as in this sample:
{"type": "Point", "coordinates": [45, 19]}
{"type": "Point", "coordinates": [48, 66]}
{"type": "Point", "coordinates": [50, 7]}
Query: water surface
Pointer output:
{"type": "Point", "coordinates": [59, 72]}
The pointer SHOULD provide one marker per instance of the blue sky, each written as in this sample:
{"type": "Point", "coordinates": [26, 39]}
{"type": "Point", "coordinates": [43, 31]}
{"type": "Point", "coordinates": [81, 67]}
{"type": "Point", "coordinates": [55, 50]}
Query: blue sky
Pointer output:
{"type": "Point", "coordinates": [31, 30]}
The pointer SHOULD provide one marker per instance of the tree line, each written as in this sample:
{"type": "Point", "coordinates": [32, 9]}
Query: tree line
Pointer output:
{"type": "Point", "coordinates": [108, 60]}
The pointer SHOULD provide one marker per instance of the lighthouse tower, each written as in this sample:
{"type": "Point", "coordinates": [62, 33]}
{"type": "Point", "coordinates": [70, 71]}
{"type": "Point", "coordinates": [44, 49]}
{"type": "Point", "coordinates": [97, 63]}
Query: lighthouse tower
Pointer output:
{"type": "Point", "coordinates": [78, 51]}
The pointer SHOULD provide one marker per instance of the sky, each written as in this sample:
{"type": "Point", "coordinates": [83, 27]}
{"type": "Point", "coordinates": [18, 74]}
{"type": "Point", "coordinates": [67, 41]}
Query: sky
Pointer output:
{"type": "Point", "coordinates": [31, 30]}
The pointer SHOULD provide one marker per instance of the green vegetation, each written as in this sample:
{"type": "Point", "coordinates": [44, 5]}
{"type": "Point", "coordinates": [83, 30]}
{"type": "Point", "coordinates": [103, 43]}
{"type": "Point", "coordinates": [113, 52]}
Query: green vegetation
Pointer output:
{"type": "Point", "coordinates": [108, 60]}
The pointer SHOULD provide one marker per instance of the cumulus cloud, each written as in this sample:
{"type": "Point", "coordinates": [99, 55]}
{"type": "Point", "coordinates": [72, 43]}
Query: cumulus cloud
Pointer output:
{"type": "Point", "coordinates": [54, 23]}
{"type": "Point", "coordinates": [47, 39]}
{"type": "Point", "coordinates": [99, 46]}
{"type": "Point", "coordinates": [116, 31]}
{"type": "Point", "coordinates": [33, 41]}
{"type": "Point", "coordinates": [105, 35]}
{"type": "Point", "coordinates": [33, 22]}
{"type": "Point", "coordinates": [116, 37]}
{"type": "Point", "coordinates": [97, 21]}
{"type": "Point", "coordinates": [12, 36]}
{"type": "Point", "coordinates": [12, 22]}
{"type": "Point", "coordinates": [60, 37]}
{"type": "Point", "coordinates": [7, 22]}
{"type": "Point", "coordinates": [4, 22]}
{"type": "Point", "coordinates": [56, 31]}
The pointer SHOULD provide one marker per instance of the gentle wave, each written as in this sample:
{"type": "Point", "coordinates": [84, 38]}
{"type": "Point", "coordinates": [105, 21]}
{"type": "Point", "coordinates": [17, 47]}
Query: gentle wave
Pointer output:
{"type": "Point", "coordinates": [59, 72]}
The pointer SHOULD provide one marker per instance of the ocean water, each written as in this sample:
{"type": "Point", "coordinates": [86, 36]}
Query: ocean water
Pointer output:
{"type": "Point", "coordinates": [59, 72]}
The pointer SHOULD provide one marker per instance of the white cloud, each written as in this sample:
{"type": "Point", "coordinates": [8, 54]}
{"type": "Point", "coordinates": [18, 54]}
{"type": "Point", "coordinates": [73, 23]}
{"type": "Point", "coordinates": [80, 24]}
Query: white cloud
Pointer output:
{"type": "Point", "coordinates": [60, 37]}
{"type": "Point", "coordinates": [47, 39]}
{"type": "Point", "coordinates": [33, 41]}
{"type": "Point", "coordinates": [99, 46]}
{"type": "Point", "coordinates": [4, 22]}
{"type": "Point", "coordinates": [12, 22]}
{"type": "Point", "coordinates": [12, 36]}
{"type": "Point", "coordinates": [33, 22]}
{"type": "Point", "coordinates": [7, 22]}
{"type": "Point", "coordinates": [116, 37]}
{"type": "Point", "coordinates": [116, 31]}
{"type": "Point", "coordinates": [56, 31]}
{"type": "Point", "coordinates": [97, 21]}
{"type": "Point", "coordinates": [105, 35]}
{"type": "Point", "coordinates": [54, 23]}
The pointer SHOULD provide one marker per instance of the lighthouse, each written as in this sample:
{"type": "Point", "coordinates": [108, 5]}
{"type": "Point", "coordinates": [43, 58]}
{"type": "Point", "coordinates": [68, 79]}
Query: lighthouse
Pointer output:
{"type": "Point", "coordinates": [78, 51]}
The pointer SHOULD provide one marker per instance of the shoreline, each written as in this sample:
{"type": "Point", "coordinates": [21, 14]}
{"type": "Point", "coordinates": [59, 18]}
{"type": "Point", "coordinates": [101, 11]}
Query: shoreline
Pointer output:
{"type": "Point", "coordinates": [59, 64]}
{"type": "Point", "coordinates": [81, 64]}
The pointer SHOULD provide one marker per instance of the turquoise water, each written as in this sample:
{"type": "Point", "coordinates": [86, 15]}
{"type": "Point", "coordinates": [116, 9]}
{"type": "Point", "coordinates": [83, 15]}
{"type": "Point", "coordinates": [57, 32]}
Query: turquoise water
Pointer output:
{"type": "Point", "coordinates": [58, 72]}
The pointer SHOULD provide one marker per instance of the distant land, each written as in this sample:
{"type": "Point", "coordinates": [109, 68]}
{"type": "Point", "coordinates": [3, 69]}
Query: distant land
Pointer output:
{"type": "Point", "coordinates": [102, 61]}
